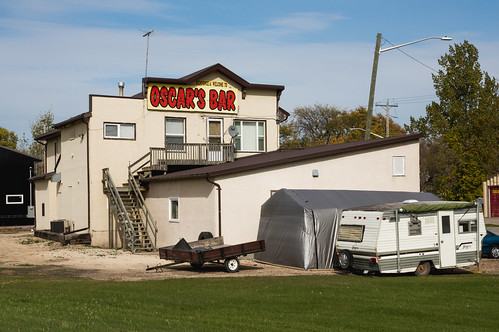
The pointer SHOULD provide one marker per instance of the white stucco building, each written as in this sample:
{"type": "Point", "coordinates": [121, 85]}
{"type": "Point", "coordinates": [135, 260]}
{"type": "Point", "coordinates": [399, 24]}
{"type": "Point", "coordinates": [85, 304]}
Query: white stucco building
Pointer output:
{"type": "Point", "coordinates": [193, 172]}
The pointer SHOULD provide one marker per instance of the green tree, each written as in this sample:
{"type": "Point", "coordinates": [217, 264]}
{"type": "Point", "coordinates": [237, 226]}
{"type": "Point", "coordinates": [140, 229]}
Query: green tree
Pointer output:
{"type": "Point", "coordinates": [461, 147]}
{"type": "Point", "coordinates": [324, 124]}
{"type": "Point", "coordinates": [41, 125]}
{"type": "Point", "coordinates": [8, 138]}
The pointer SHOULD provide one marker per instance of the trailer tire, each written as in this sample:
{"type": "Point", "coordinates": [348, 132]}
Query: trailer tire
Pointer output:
{"type": "Point", "coordinates": [232, 264]}
{"type": "Point", "coordinates": [197, 266]}
{"type": "Point", "coordinates": [205, 235]}
{"type": "Point", "coordinates": [423, 269]}
{"type": "Point", "coordinates": [345, 259]}
{"type": "Point", "coordinates": [494, 251]}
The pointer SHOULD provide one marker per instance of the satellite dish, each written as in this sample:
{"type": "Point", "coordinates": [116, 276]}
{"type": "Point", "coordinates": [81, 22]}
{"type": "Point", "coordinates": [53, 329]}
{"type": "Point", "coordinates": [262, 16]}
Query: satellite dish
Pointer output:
{"type": "Point", "coordinates": [233, 131]}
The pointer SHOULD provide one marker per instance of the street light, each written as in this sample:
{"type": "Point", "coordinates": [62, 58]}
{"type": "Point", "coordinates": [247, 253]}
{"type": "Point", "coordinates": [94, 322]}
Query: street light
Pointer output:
{"type": "Point", "coordinates": [377, 52]}
{"type": "Point", "coordinates": [365, 130]}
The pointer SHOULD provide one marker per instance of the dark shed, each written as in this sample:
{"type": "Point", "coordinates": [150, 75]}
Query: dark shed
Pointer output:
{"type": "Point", "coordinates": [16, 205]}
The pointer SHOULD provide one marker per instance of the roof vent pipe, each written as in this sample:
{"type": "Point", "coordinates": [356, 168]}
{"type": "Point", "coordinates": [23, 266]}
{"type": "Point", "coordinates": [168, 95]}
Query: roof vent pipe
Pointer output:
{"type": "Point", "coordinates": [121, 85]}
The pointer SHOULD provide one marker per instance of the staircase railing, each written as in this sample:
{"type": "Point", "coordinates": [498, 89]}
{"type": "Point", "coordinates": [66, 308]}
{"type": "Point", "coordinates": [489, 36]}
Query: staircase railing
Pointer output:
{"type": "Point", "coordinates": [150, 222]}
{"type": "Point", "coordinates": [121, 213]}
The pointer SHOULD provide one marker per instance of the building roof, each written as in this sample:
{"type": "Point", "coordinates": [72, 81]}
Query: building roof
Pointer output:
{"type": "Point", "coordinates": [188, 79]}
{"type": "Point", "coordinates": [10, 152]}
{"type": "Point", "coordinates": [280, 157]}
{"type": "Point", "coordinates": [192, 78]}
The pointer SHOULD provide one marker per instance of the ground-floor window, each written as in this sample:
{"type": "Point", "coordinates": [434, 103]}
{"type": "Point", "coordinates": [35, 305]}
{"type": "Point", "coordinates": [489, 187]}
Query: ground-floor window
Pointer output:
{"type": "Point", "coordinates": [251, 136]}
{"type": "Point", "coordinates": [398, 166]}
{"type": "Point", "coordinates": [174, 209]}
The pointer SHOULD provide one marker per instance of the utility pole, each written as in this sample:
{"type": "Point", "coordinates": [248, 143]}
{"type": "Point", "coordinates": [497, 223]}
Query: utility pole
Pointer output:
{"type": "Point", "coordinates": [387, 105]}
{"type": "Point", "coordinates": [373, 87]}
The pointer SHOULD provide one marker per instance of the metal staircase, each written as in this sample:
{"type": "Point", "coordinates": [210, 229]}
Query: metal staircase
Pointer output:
{"type": "Point", "coordinates": [128, 206]}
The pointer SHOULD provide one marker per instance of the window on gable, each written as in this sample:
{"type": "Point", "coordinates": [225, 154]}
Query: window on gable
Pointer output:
{"type": "Point", "coordinates": [251, 136]}
{"type": "Point", "coordinates": [119, 130]}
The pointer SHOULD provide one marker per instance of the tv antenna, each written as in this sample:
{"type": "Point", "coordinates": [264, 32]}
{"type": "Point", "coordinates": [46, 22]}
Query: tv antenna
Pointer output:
{"type": "Point", "coordinates": [147, 34]}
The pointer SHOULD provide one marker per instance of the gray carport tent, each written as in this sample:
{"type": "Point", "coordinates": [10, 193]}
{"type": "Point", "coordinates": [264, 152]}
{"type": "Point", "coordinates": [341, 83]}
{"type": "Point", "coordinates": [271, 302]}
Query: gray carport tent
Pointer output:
{"type": "Point", "coordinates": [300, 226]}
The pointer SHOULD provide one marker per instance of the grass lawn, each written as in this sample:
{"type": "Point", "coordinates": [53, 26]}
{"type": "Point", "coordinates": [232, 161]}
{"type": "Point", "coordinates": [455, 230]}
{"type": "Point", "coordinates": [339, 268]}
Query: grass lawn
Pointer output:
{"type": "Point", "coordinates": [455, 302]}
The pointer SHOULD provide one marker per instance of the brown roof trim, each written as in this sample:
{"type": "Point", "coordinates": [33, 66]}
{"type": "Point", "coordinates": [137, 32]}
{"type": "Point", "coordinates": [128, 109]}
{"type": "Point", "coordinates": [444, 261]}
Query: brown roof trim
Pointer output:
{"type": "Point", "coordinates": [280, 157]}
{"type": "Point", "coordinates": [192, 78]}
{"type": "Point", "coordinates": [49, 134]}
{"type": "Point", "coordinates": [41, 177]}
{"type": "Point", "coordinates": [72, 120]}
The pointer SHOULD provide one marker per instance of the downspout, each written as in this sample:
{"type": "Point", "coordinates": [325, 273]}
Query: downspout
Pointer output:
{"type": "Point", "coordinates": [219, 189]}
{"type": "Point", "coordinates": [88, 176]}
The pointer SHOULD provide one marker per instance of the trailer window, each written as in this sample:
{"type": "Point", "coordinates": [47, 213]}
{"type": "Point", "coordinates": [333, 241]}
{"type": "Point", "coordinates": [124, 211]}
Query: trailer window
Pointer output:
{"type": "Point", "coordinates": [414, 226]}
{"type": "Point", "coordinates": [445, 224]}
{"type": "Point", "coordinates": [467, 226]}
{"type": "Point", "coordinates": [351, 233]}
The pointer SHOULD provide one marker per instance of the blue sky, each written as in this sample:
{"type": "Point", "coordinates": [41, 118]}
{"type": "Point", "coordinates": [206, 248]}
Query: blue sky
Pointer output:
{"type": "Point", "coordinates": [54, 53]}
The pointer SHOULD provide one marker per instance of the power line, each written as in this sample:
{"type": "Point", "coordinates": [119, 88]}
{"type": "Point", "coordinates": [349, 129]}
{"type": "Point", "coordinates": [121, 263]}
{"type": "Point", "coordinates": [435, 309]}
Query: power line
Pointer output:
{"type": "Point", "coordinates": [410, 56]}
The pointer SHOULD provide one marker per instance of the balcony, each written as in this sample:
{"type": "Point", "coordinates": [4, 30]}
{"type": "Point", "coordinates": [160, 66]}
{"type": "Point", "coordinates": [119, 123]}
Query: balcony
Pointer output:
{"type": "Point", "coordinates": [191, 154]}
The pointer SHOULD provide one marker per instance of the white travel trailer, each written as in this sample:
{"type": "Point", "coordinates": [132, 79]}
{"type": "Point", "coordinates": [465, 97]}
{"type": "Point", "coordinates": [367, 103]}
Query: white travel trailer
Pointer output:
{"type": "Point", "coordinates": [410, 237]}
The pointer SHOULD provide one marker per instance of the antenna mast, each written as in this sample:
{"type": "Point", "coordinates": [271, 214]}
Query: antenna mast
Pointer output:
{"type": "Point", "coordinates": [147, 34]}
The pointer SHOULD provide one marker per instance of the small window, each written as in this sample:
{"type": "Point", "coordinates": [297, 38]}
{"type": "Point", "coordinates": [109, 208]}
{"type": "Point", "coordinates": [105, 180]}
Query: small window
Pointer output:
{"type": "Point", "coordinates": [414, 226]}
{"type": "Point", "coordinates": [119, 130]}
{"type": "Point", "coordinates": [351, 233]}
{"type": "Point", "coordinates": [43, 209]}
{"type": "Point", "coordinates": [467, 226]}
{"type": "Point", "coordinates": [174, 209]}
{"type": "Point", "coordinates": [14, 199]}
{"type": "Point", "coordinates": [398, 166]}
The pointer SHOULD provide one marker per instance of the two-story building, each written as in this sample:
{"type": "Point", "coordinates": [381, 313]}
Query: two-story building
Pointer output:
{"type": "Point", "coordinates": [202, 152]}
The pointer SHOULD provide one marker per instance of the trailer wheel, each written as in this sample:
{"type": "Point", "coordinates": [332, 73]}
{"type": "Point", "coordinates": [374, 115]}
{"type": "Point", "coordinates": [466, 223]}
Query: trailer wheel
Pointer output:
{"type": "Point", "coordinates": [205, 235]}
{"type": "Point", "coordinates": [494, 252]}
{"type": "Point", "coordinates": [345, 259]}
{"type": "Point", "coordinates": [197, 266]}
{"type": "Point", "coordinates": [232, 264]}
{"type": "Point", "coordinates": [423, 269]}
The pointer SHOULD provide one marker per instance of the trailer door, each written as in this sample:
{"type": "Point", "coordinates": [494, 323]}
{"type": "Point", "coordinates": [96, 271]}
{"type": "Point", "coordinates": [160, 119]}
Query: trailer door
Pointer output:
{"type": "Point", "coordinates": [447, 239]}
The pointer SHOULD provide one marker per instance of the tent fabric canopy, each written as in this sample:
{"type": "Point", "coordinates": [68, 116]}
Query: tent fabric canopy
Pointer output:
{"type": "Point", "coordinates": [300, 226]}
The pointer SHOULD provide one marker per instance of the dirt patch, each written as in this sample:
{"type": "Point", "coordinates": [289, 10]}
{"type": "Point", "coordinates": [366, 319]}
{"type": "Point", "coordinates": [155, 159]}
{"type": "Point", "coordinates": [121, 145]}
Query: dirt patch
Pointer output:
{"type": "Point", "coordinates": [22, 253]}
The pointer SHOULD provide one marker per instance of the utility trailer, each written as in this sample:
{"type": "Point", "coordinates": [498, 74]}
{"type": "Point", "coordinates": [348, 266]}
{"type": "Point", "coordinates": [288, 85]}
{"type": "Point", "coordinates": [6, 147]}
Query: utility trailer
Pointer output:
{"type": "Point", "coordinates": [208, 250]}
{"type": "Point", "coordinates": [410, 236]}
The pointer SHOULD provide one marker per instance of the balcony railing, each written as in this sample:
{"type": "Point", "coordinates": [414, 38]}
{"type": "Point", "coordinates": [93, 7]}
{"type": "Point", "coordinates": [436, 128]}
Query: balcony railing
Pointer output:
{"type": "Point", "coordinates": [191, 154]}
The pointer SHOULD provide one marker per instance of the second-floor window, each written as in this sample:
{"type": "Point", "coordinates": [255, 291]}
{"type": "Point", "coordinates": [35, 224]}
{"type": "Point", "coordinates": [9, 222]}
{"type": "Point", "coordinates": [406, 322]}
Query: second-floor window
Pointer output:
{"type": "Point", "coordinates": [119, 130]}
{"type": "Point", "coordinates": [251, 136]}
{"type": "Point", "coordinates": [175, 133]}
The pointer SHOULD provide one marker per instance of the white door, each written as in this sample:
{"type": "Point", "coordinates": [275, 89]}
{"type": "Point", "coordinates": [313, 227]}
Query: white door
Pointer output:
{"type": "Point", "coordinates": [447, 239]}
{"type": "Point", "coordinates": [215, 140]}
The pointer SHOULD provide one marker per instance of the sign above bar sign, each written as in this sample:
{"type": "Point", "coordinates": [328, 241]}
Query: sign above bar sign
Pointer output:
{"type": "Point", "coordinates": [205, 96]}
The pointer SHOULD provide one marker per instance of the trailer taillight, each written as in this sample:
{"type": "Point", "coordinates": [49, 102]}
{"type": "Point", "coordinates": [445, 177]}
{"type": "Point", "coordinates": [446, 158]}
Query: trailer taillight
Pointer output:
{"type": "Point", "coordinates": [373, 260]}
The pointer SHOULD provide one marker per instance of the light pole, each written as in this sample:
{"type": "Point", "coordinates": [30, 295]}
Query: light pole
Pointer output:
{"type": "Point", "coordinates": [377, 52]}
